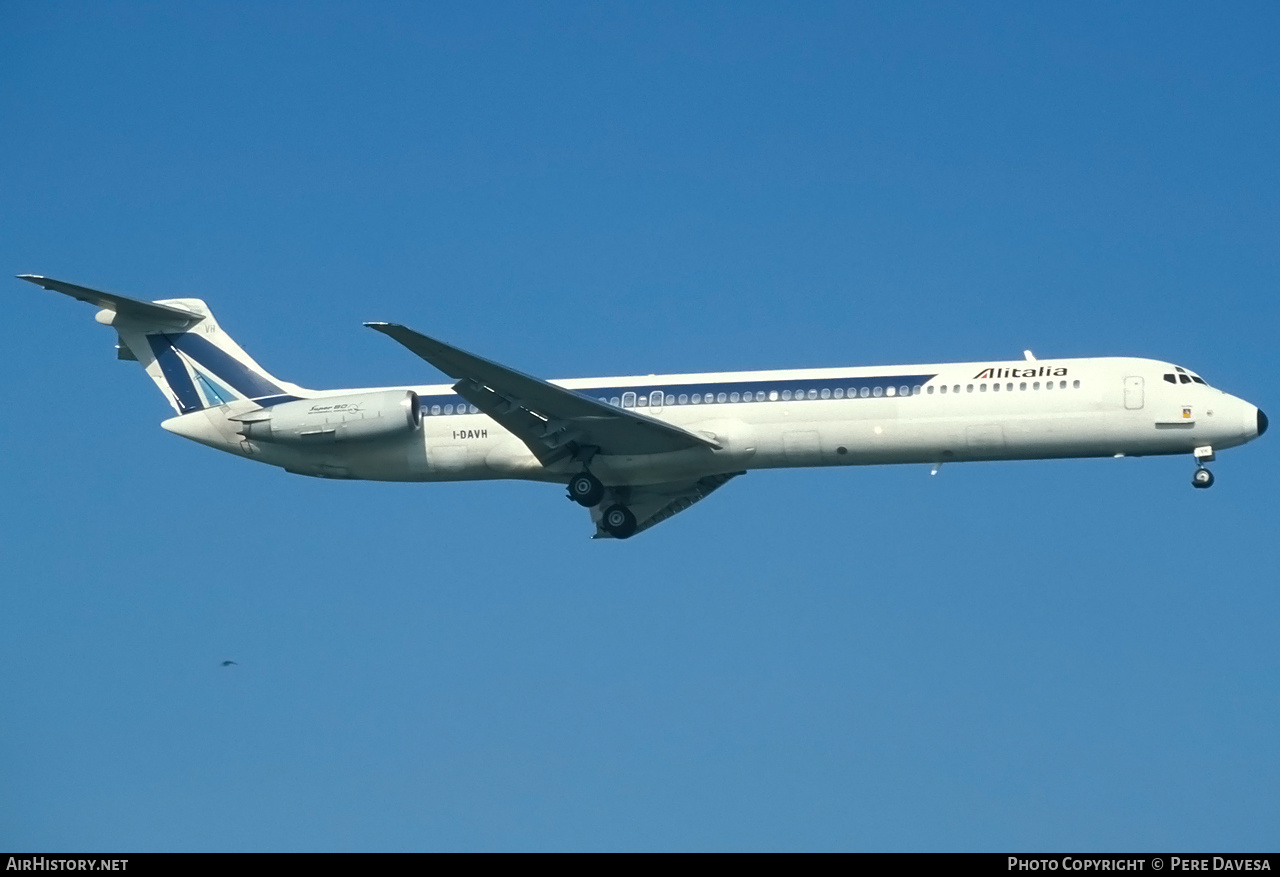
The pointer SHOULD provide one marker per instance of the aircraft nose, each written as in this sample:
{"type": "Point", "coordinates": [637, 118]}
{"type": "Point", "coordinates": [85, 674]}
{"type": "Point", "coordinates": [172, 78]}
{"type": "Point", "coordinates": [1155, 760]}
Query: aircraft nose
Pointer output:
{"type": "Point", "coordinates": [1262, 422]}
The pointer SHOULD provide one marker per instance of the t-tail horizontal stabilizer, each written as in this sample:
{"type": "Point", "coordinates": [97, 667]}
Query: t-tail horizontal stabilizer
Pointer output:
{"type": "Point", "coordinates": [182, 348]}
{"type": "Point", "coordinates": [143, 311]}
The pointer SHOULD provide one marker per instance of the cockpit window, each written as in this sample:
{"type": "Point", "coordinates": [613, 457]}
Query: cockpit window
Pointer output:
{"type": "Point", "coordinates": [1182, 375]}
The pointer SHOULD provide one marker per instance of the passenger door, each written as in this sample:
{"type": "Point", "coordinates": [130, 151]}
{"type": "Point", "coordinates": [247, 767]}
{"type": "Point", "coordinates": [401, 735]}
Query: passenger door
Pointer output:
{"type": "Point", "coordinates": [1133, 393]}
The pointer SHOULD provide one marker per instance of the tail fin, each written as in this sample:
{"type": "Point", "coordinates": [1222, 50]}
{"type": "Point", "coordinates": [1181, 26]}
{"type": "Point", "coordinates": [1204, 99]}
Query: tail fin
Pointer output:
{"type": "Point", "coordinates": [184, 350]}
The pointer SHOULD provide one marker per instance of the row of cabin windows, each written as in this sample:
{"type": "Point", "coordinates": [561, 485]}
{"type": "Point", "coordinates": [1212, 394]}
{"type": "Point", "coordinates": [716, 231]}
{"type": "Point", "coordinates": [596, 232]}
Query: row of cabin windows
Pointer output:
{"type": "Point", "coordinates": [462, 408]}
{"type": "Point", "coordinates": [1008, 388]}
{"type": "Point", "coordinates": [657, 397]}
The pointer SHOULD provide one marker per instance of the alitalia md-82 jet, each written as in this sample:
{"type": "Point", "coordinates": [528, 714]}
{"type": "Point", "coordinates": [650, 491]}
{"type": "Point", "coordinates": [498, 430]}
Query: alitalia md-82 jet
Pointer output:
{"type": "Point", "coordinates": [637, 450]}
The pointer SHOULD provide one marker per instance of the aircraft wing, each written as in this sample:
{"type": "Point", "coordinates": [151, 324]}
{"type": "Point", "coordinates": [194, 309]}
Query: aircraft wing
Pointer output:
{"type": "Point", "coordinates": [654, 503]}
{"type": "Point", "coordinates": [553, 422]}
{"type": "Point", "coordinates": [163, 315]}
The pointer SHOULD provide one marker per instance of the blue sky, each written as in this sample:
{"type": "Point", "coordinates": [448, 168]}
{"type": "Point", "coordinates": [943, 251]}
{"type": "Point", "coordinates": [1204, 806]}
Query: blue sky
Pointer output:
{"type": "Point", "coordinates": [1020, 656]}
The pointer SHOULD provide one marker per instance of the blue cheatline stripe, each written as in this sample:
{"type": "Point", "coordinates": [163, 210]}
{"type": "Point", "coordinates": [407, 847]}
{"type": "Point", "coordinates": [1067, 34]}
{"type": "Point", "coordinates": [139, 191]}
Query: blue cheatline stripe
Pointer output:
{"type": "Point", "coordinates": [175, 374]}
{"type": "Point", "coordinates": [747, 390]}
{"type": "Point", "coordinates": [268, 401]}
{"type": "Point", "coordinates": [220, 363]}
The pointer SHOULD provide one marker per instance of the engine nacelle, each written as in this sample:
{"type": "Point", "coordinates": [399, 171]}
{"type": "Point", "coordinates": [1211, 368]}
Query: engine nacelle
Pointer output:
{"type": "Point", "coordinates": [361, 417]}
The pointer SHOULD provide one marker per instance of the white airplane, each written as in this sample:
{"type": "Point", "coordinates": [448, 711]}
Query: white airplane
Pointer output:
{"type": "Point", "coordinates": [637, 450]}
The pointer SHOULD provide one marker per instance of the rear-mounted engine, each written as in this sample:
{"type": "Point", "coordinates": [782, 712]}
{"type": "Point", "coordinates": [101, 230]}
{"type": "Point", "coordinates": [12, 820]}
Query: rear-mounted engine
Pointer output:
{"type": "Point", "coordinates": [362, 417]}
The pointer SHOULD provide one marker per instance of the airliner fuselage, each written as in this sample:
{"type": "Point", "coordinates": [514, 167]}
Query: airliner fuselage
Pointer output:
{"type": "Point", "coordinates": [637, 450]}
{"type": "Point", "coordinates": [934, 413]}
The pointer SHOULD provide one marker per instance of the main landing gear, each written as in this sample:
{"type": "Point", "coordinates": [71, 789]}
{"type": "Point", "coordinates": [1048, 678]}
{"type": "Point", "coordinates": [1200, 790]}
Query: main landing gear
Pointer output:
{"type": "Point", "coordinates": [1202, 477]}
{"type": "Point", "coordinates": [586, 490]}
{"type": "Point", "coordinates": [619, 521]}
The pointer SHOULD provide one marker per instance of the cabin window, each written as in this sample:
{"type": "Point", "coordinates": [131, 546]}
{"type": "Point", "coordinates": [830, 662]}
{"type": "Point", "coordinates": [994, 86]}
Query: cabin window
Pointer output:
{"type": "Point", "coordinates": [682, 398]}
{"type": "Point", "coordinates": [1022, 386]}
{"type": "Point", "coordinates": [877, 392]}
{"type": "Point", "coordinates": [915, 391]}
{"type": "Point", "coordinates": [995, 388]}
{"type": "Point", "coordinates": [826, 394]}
{"type": "Point", "coordinates": [890, 391]}
{"type": "Point", "coordinates": [786, 395]}
{"type": "Point", "coordinates": [931, 390]}
{"type": "Point", "coordinates": [773, 395]}
{"type": "Point", "coordinates": [671, 400]}
{"type": "Point", "coordinates": [448, 409]}
{"type": "Point", "coordinates": [734, 397]}
{"type": "Point", "coordinates": [839, 393]}
{"type": "Point", "coordinates": [982, 389]}
{"type": "Point", "coordinates": [435, 409]}
{"type": "Point", "coordinates": [696, 399]}
{"type": "Point", "coordinates": [722, 397]}
{"type": "Point", "coordinates": [642, 401]}
{"type": "Point", "coordinates": [1075, 385]}
{"type": "Point", "coordinates": [942, 389]}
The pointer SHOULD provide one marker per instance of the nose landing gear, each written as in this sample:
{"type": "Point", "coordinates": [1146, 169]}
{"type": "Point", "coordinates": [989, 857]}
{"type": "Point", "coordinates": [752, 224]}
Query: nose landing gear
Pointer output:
{"type": "Point", "coordinates": [1202, 477]}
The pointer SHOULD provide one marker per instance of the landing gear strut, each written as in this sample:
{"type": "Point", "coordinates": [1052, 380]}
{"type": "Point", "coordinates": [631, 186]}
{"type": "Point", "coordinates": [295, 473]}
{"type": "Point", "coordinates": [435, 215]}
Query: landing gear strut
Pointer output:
{"type": "Point", "coordinates": [585, 489]}
{"type": "Point", "coordinates": [618, 521]}
{"type": "Point", "coordinates": [1202, 477]}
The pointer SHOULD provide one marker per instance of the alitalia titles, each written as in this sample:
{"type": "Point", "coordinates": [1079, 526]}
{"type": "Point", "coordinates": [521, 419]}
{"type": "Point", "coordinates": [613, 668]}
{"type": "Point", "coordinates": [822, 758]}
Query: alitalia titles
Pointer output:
{"type": "Point", "coordinates": [1043, 371]}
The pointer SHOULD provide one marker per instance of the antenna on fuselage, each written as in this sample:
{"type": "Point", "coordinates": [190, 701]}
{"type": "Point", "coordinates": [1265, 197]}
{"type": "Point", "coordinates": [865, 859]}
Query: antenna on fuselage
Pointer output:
{"type": "Point", "coordinates": [1031, 357]}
